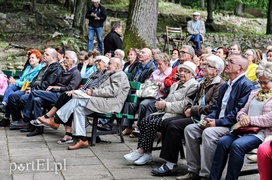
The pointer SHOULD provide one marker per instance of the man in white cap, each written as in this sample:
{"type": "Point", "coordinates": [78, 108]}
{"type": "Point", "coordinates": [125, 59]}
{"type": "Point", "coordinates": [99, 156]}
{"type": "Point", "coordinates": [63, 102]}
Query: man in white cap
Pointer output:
{"type": "Point", "coordinates": [96, 15]}
{"type": "Point", "coordinates": [196, 30]}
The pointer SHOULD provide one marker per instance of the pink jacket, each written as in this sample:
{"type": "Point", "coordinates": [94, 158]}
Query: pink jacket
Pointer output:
{"type": "Point", "coordinates": [3, 83]}
{"type": "Point", "coordinates": [264, 120]}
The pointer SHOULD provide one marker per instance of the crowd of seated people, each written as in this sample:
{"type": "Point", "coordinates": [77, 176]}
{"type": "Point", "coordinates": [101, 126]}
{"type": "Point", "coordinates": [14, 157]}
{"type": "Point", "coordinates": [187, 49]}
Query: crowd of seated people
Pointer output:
{"type": "Point", "coordinates": [193, 103]}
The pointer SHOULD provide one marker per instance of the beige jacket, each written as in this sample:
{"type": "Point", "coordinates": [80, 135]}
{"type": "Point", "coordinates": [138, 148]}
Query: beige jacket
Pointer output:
{"type": "Point", "coordinates": [110, 96]}
{"type": "Point", "coordinates": [179, 99]}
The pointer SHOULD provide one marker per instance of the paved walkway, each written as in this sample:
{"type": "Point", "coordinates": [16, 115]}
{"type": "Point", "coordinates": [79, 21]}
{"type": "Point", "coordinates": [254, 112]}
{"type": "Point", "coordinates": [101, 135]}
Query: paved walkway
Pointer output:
{"type": "Point", "coordinates": [40, 157]}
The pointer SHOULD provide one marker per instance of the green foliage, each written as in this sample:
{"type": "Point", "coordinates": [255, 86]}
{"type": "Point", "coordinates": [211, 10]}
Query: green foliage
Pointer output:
{"type": "Point", "coordinates": [131, 40]}
{"type": "Point", "coordinates": [4, 44]}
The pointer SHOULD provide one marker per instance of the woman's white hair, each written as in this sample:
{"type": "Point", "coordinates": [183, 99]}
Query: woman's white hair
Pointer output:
{"type": "Point", "coordinates": [121, 52]}
{"type": "Point", "coordinates": [217, 61]}
{"type": "Point", "coordinates": [264, 69]}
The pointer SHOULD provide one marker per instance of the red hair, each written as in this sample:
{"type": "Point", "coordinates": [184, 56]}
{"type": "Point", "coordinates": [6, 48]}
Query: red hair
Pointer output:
{"type": "Point", "coordinates": [36, 52]}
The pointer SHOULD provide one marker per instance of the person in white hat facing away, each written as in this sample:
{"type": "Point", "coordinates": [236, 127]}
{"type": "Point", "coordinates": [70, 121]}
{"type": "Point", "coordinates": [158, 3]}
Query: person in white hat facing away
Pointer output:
{"type": "Point", "coordinates": [196, 30]}
{"type": "Point", "coordinates": [96, 15]}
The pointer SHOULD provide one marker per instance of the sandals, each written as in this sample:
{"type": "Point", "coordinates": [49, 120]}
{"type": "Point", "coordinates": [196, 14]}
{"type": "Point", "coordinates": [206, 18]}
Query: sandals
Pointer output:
{"type": "Point", "coordinates": [37, 123]}
{"type": "Point", "coordinates": [67, 141]}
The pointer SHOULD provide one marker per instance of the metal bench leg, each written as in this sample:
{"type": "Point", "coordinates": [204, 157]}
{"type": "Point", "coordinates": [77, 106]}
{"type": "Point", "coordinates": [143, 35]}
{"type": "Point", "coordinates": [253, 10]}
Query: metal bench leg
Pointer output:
{"type": "Point", "coordinates": [119, 126]}
{"type": "Point", "coordinates": [94, 131]}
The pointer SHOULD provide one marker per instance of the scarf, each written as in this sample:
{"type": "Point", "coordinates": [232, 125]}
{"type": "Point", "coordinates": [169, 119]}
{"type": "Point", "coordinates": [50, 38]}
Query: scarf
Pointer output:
{"type": "Point", "coordinates": [261, 96]}
{"type": "Point", "coordinates": [95, 80]}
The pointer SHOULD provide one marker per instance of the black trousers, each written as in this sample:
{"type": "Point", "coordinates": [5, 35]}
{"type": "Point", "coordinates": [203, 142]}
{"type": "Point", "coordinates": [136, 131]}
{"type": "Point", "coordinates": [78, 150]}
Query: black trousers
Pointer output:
{"type": "Point", "coordinates": [63, 99]}
{"type": "Point", "coordinates": [172, 134]}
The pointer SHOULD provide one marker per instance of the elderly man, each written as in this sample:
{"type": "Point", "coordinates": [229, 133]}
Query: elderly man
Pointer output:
{"type": "Point", "coordinates": [112, 41]}
{"type": "Point", "coordinates": [231, 98]}
{"type": "Point", "coordinates": [140, 73]}
{"type": "Point", "coordinates": [96, 15]}
{"type": "Point", "coordinates": [196, 30]}
{"type": "Point", "coordinates": [68, 80]}
{"type": "Point", "coordinates": [109, 97]}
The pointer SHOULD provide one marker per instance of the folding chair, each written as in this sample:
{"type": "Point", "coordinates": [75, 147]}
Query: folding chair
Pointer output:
{"type": "Point", "coordinates": [173, 36]}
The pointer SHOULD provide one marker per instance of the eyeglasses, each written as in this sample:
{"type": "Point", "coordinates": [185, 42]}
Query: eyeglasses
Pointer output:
{"type": "Point", "coordinates": [183, 71]}
{"type": "Point", "coordinates": [184, 52]}
{"type": "Point", "coordinates": [269, 56]}
{"type": "Point", "coordinates": [231, 62]}
{"type": "Point", "coordinates": [263, 82]}
{"type": "Point", "coordinates": [209, 66]}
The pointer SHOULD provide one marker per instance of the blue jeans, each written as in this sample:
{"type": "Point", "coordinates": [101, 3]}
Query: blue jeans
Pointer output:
{"type": "Point", "coordinates": [10, 89]}
{"type": "Point", "coordinates": [234, 148]}
{"type": "Point", "coordinates": [196, 38]}
{"type": "Point", "coordinates": [99, 33]}
{"type": "Point", "coordinates": [15, 105]}
{"type": "Point", "coordinates": [36, 100]}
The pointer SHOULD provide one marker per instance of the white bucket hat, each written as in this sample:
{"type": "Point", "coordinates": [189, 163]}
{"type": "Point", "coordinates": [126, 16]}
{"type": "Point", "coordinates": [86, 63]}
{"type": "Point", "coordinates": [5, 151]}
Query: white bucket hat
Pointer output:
{"type": "Point", "coordinates": [189, 66]}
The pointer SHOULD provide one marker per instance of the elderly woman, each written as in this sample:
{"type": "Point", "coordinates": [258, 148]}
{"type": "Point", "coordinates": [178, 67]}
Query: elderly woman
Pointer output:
{"type": "Point", "coordinates": [132, 61]}
{"type": "Point", "coordinates": [175, 57]}
{"type": "Point", "coordinates": [164, 69]}
{"type": "Point", "coordinates": [118, 53]}
{"type": "Point", "coordinates": [94, 81]}
{"type": "Point", "coordinates": [173, 105]}
{"type": "Point", "coordinates": [173, 128]}
{"type": "Point", "coordinates": [251, 56]}
{"type": "Point", "coordinates": [256, 112]}
{"type": "Point", "coordinates": [30, 72]}
{"type": "Point", "coordinates": [89, 67]}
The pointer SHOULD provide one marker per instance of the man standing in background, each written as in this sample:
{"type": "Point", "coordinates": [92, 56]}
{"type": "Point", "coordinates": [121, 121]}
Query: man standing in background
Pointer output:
{"type": "Point", "coordinates": [113, 40]}
{"type": "Point", "coordinates": [96, 15]}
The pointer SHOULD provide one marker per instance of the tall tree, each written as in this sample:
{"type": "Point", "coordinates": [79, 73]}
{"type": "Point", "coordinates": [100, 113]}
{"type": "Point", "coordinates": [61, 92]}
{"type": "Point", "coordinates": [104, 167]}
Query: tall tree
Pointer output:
{"type": "Point", "coordinates": [141, 24]}
{"type": "Point", "coordinates": [239, 9]}
{"type": "Point", "coordinates": [79, 15]}
{"type": "Point", "coordinates": [202, 4]}
{"type": "Point", "coordinates": [269, 18]}
{"type": "Point", "coordinates": [210, 11]}
{"type": "Point", "coordinates": [34, 5]}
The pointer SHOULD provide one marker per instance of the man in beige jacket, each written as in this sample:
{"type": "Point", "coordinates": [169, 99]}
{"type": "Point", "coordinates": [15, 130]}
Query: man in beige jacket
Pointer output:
{"type": "Point", "coordinates": [109, 97]}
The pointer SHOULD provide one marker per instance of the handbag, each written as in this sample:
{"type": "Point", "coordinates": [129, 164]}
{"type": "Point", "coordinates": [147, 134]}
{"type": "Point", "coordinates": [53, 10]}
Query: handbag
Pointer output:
{"type": "Point", "coordinates": [148, 89]}
{"type": "Point", "coordinates": [247, 130]}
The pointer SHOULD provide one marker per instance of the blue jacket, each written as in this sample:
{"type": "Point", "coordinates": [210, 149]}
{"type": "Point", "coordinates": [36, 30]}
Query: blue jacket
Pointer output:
{"type": "Point", "coordinates": [28, 75]}
{"type": "Point", "coordinates": [146, 72]}
{"type": "Point", "coordinates": [238, 98]}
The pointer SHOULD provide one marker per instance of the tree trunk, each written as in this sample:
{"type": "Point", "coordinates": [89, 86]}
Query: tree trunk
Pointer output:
{"type": "Point", "coordinates": [141, 24]}
{"type": "Point", "coordinates": [79, 18]}
{"type": "Point", "coordinates": [202, 4]}
{"type": "Point", "coordinates": [34, 5]}
{"type": "Point", "coordinates": [210, 11]}
{"type": "Point", "coordinates": [269, 18]}
{"type": "Point", "coordinates": [238, 11]}
{"type": "Point", "coordinates": [69, 5]}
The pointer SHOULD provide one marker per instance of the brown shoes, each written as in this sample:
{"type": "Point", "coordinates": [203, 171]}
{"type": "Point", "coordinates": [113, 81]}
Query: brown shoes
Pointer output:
{"type": "Point", "coordinates": [79, 144]}
{"type": "Point", "coordinates": [49, 122]}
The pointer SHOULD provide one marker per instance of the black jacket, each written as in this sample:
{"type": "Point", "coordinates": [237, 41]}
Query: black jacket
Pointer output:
{"type": "Point", "coordinates": [100, 12]}
{"type": "Point", "coordinates": [112, 41]}
{"type": "Point", "coordinates": [47, 76]}
{"type": "Point", "coordinates": [132, 67]}
{"type": "Point", "coordinates": [145, 74]}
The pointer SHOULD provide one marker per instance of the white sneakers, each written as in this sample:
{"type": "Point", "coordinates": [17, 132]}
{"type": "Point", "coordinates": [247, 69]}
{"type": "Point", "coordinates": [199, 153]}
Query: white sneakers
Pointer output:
{"type": "Point", "coordinates": [137, 158]}
{"type": "Point", "coordinates": [143, 159]}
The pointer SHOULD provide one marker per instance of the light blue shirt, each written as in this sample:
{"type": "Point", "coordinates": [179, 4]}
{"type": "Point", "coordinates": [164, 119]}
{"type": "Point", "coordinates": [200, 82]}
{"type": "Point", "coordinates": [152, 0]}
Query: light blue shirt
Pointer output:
{"type": "Point", "coordinates": [227, 96]}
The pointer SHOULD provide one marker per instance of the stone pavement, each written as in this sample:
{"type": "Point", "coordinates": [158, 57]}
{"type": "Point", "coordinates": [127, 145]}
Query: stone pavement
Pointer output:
{"type": "Point", "coordinates": [40, 157]}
